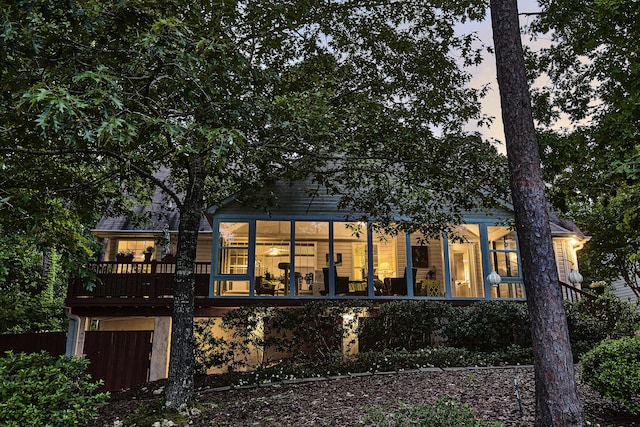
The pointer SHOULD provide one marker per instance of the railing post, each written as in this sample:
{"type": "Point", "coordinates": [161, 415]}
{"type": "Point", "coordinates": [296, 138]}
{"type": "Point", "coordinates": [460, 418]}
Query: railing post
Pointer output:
{"type": "Point", "coordinates": [153, 281]}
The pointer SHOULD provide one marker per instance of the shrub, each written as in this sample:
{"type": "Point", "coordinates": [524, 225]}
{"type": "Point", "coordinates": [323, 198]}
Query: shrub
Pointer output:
{"type": "Point", "coordinates": [409, 325]}
{"type": "Point", "coordinates": [40, 390]}
{"type": "Point", "coordinates": [489, 326]}
{"type": "Point", "coordinates": [591, 321]}
{"type": "Point", "coordinates": [445, 412]}
{"type": "Point", "coordinates": [613, 369]}
{"type": "Point", "coordinates": [261, 336]}
{"type": "Point", "coordinates": [209, 350]}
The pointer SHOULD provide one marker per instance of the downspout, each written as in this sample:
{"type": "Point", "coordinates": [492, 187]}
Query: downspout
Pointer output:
{"type": "Point", "coordinates": [73, 332]}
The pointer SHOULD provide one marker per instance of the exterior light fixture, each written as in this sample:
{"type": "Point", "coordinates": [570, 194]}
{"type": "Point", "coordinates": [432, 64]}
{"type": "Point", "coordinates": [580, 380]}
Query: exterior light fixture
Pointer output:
{"type": "Point", "coordinates": [575, 277]}
{"type": "Point", "coordinates": [494, 279]}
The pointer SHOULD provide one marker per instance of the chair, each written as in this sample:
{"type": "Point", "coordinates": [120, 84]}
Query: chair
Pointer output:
{"type": "Point", "coordinates": [342, 282]}
{"type": "Point", "coordinates": [263, 290]}
{"type": "Point", "coordinates": [398, 285]}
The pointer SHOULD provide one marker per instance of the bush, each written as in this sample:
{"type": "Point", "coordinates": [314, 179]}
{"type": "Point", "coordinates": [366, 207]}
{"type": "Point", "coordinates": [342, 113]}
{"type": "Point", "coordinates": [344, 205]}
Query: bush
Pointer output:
{"type": "Point", "coordinates": [409, 325]}
{"type": "Point", "coordinates": [591, 321]}
{"type": "Point", "coordinates": [40, 390]}
{"type": "Point", "coordinates": [489, 326]}
{"type": "Point", "coordinates": [613, 369]}
{"type": "Point", "coordinates": [445, 412]}
{"type": "Point", "coordinates": [261, 336]}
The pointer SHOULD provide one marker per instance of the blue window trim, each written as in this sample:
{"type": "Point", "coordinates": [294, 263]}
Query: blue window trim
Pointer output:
{"type": "Point", "coordinates": [483, 223]}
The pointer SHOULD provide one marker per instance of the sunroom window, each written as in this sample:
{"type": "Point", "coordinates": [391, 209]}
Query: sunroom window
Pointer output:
{"type": "Point", "coordinates": [233, 258]}
{"type": "Point", "coordinates": [503, 258]}
{"type": "Point", "coordinates": [466, 262]}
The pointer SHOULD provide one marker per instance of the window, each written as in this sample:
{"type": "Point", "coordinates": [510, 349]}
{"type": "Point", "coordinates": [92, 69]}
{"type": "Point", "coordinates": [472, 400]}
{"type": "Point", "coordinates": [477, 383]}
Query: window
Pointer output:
{"type": "Point", "coordinates": [503, 258]}
{"type": "Point", "coordinates": [233, 258]}
{"type": "Point", "coordinates": [503, 251]}
{"type": "Point", "coordinates": [273, 258]}
{"type": "Point", "coordinates": [465, 262]}
{"type": "Point", "coordinates": [135, 247]}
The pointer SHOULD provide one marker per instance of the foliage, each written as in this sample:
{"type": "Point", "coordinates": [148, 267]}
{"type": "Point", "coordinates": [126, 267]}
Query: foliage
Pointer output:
{"type": "Point", "coordinates": [613, 369]}
{"type": "Point", "coordinates": [275, 343]}
{"type": "Point", "coordinates": [489, 326]}
{"type": "Point", "coordinates": [38, 389]}
{"type": "Point", "coordinates": [409, 325]}
{"type": "Point", "coordinates": [32, 286]}
{"type": "Point", "coordinates": [307, 341]}
{"type": "Point", "coordinates": [261, 336]}
{"type": "Point", "coordinates": [228, 96]}
{"type": "Point", "coordinates": [336, 364]}
{"type": "Point", "coordinates": [593, 168]}
{"type": "Point", "coordinates": [444, 412]}
{"type": "Point", "coordinates": [591, 321]}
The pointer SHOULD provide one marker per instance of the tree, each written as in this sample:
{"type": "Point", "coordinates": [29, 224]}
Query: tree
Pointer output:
{"type": "Point", "coordinates": [231, 95]}
{"type": "Point", "coordinates": [593, 166]}
{"type": "Point", "coordinates": [557, 402]}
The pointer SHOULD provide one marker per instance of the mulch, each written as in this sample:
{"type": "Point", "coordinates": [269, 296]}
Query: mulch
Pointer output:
{"type": "Point", "coordinates": [346, 400]}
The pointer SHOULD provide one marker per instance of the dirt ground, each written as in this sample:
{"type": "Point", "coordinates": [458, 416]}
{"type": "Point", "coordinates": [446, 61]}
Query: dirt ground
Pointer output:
{"type": "Point", "coordinates": [344, 401]}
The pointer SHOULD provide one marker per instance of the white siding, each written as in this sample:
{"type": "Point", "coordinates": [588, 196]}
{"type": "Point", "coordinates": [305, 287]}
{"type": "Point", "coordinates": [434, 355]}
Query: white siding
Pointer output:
{"type": "Point", "coordinates": [621, 291]}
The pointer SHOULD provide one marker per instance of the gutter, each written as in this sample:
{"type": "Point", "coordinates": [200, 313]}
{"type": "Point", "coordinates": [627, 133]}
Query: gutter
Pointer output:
{"type": "Point", "coordinates": [73, 333]}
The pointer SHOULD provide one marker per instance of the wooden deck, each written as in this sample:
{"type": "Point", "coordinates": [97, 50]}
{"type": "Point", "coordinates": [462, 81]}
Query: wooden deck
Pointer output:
{"type": "Point", "coordinates": [146, 289]}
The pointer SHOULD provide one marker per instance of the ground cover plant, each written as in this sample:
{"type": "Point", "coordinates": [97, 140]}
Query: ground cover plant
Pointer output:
{"type": "Point", "coordinates": [38, 389]}
{"type": "Point", "coordinates": [444, 412]}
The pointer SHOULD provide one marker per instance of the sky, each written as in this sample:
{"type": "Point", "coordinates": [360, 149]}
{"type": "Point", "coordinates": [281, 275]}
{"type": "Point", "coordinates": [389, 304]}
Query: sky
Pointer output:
{"type": "Point", "coordinates": [486, 72]}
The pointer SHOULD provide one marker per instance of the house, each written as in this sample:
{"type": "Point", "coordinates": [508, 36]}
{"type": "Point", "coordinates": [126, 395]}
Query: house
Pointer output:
{"type": "Point", "coordinates": [302, 250]}
{"type": "Point", "coordinates": [620, 289]}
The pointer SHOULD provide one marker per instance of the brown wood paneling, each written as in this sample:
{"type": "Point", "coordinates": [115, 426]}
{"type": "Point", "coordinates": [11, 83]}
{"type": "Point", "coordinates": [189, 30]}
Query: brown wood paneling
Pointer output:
{"type": "Point", "coordinates": [120, 358]}
{"type": "Point", "coordinates": [53, 342]}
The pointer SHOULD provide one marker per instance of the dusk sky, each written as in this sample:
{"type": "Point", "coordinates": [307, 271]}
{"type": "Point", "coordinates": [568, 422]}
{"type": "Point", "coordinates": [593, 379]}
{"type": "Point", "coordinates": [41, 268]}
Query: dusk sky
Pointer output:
{"type": "Point", "coordinates": [486, 72]}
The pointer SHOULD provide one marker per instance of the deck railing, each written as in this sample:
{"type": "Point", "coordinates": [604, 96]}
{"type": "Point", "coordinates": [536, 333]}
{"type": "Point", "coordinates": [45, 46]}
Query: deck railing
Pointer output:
{"type": "Point", "coordinates": [154, 281]}
{"type": "Point", "coordinates": [573, 294]}
{"type": "Point", "coordinates": [135, 280]}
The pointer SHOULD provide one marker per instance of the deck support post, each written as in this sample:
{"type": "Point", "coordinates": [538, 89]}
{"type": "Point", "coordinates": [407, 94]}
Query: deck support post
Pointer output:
{"type": "Point", "coordinates": [160, 348]}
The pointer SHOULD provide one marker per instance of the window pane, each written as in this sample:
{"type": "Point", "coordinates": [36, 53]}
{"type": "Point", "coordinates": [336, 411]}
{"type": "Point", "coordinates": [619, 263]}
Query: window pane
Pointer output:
{"type": "Point", "coordinates": [231, 288]}
{"type": "Point", "coordinates": [312, 238]}
{"type": "Point", "coordinates": [391, 261]}
{"type": "Point", "coordinates": [233, 252]}
{"type": "Point", "coordinates": [428, 260]}
{"type": "Point", "coordinates": [503, 251]}
{"type": "Point", "coordinates": [272, 257]}
{"type": "Point", "coordinates": [134, 247]}
{"type": "Point", "coordinates": [508, 290]}
{"type": "Point", "coordinates": [465, 262]}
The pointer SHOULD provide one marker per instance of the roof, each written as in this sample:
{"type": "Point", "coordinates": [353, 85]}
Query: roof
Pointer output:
{"type": "Point", "coordinates": [304, 198]}
{"type": "Point", "coordinates": [283, 198]}
{"type": "Point", "coordinates": [292, 200]}
{"type": "Point", "coordinates": [162, 211]}
{"type": "Point", "coordinates": [564, 227]}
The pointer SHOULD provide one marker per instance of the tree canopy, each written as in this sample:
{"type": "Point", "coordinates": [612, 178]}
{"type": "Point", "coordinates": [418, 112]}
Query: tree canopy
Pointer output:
{"type": "Point", "coordinates": [594, 165]}
{"type": "Point", "coordinates": [367, 98]}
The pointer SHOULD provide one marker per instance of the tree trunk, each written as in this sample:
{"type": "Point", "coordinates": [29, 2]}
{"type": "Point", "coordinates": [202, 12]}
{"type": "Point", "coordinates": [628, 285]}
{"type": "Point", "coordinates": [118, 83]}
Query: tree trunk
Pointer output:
{"type": "Point", "coordinates": [180, 383]}
{"type": "Point", "coordinates": [557, 401]}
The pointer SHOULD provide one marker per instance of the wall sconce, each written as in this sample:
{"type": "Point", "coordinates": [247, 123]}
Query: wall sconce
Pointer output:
{"type": "Point", "coordinates": [575, 278]}
{"type": "Point", "coordinates": [494, 279]}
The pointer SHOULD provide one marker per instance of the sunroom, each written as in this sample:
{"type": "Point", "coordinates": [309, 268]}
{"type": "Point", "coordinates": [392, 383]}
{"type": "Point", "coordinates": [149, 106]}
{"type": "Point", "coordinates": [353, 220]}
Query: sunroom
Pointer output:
{"type": "Point", "coordinates": [310, 249]}
{"type": "Point", "coordinates": [314, 257]}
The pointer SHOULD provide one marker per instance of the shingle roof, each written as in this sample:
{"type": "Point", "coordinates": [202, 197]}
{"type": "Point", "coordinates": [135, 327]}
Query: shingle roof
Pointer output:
{"type": "Point", "coordinates": [161, 211]}
{"type": "Point", "coordinates": [295, 200]}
